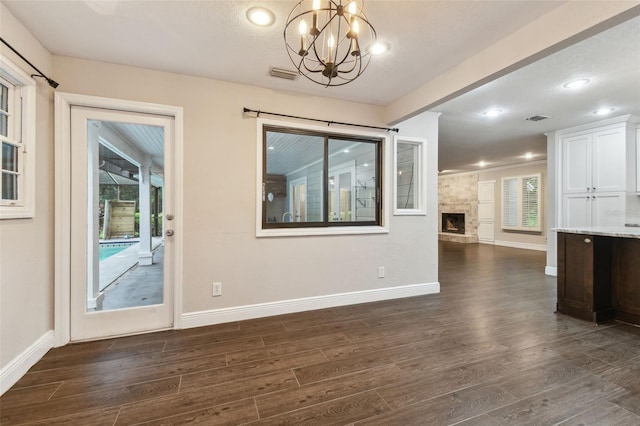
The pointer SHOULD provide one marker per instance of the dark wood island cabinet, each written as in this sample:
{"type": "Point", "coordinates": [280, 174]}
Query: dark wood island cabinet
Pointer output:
{"type": "Point", "coordinates": [599, 274]}
{"type": "Point", "coordinates": [626, 279]}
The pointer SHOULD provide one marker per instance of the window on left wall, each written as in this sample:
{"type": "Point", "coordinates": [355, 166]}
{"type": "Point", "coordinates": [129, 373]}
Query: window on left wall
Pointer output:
{"type": "Point", "coordinates": [17, 139]}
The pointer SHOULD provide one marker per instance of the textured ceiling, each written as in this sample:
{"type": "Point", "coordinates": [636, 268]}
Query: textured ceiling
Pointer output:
{"type": "Point", "coordinates": [214, 39]}
{"type": "Point", "coordinates": [610, 60]}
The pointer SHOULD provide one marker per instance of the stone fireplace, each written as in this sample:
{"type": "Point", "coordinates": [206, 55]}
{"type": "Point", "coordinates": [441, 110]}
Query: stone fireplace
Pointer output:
{"type": "Point", "coordinates": [458, 208]}
{"type": "Point", "coordinates": [453, 223]}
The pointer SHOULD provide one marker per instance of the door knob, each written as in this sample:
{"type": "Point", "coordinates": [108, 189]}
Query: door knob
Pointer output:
{"type": "Point", "coordinates": [169, 232]}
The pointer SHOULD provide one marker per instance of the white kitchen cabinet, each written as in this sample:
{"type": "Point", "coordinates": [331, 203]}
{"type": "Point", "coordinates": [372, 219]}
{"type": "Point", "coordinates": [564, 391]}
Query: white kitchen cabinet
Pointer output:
{"type": "Point", "coordinates": [595, 161]}
{"type": "Point", "coordinates": [598, 166]}
{"type": "Point", "coordinates": [608, 209]}
{"type": "Point", "coordinates": [576, 170]}
{"type": "Point", "coordinates": [600, 209]}
{"type": "Point", "coordinates": [609, 157]}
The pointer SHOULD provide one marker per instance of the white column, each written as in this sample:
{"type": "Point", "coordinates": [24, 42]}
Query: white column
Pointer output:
{"type": "Point", "coordinates": [145, 256]}
{"type": "Point", "coordinates": [94, 297]}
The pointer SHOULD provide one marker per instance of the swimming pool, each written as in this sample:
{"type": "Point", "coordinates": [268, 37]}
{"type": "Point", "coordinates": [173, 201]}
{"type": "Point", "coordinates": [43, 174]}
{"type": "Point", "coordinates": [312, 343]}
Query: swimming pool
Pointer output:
{"type": "Point", "coordinates": [108, 250]}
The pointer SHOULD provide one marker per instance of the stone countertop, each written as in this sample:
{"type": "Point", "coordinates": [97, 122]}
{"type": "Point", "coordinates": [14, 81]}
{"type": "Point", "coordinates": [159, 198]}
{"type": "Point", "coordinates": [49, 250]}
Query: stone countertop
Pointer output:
{"type": "Point", "coordinates": [605, 231]}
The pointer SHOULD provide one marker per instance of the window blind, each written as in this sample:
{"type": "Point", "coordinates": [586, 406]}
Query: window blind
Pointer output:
{"type": "Point", "coordinates": [521, 203]}
{"type": "Point", "coordinates": [510, 202]}
{"type": "Point", "coordinates": [530, 217]}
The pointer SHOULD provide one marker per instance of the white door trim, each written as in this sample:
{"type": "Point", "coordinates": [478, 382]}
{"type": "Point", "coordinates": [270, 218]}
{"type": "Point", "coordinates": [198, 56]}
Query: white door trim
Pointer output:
{"type": "Point", "coordinates": [62, 260]}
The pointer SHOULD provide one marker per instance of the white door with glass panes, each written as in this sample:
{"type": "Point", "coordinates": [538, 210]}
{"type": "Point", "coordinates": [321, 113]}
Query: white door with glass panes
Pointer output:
{"type": "Point", "coordinates": [118, 158]}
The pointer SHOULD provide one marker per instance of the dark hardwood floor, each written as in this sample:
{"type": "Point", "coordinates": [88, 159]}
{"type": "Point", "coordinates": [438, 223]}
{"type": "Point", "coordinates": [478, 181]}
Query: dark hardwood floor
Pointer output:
{"type": "Point", "coordinates": [488, 350]}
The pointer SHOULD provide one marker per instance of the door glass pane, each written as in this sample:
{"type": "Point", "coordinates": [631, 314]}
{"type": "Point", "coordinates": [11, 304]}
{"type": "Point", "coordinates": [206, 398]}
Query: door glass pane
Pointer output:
{"type": "Point", "coordinates": [293, 158]}
{"type": "Point", "coordinates": [125, 249]}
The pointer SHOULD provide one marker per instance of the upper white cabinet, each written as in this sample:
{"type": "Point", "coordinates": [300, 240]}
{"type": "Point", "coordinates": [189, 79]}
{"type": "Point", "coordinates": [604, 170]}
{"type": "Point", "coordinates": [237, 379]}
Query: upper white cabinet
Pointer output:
{"type": "Point", "coordinates": [609, 157]}
{"type": "Point", "coordinates": [598, 166]}
{"type": "Point", "coordinates": [595, 162]}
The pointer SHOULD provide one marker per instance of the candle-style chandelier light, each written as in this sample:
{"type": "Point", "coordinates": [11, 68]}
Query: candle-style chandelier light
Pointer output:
{"type": "Point", "coordinates": [329, 41]}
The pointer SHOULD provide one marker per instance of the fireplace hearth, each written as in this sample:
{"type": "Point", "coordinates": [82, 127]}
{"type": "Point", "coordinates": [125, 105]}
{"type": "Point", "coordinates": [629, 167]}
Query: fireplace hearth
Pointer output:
{"type": "Point", "coordinates": [453, 223]}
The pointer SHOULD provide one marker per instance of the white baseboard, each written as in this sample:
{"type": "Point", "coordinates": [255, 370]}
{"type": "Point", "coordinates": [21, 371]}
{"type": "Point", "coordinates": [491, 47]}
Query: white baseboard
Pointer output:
{"type": "Point", "coordinates": [18, 367]}
{"type": "Point", "coordinates": [239, 313]}
{"type": "Point", "coordinates": [551, 270]}
{"type": "Point", "coordinates": [526, 246]}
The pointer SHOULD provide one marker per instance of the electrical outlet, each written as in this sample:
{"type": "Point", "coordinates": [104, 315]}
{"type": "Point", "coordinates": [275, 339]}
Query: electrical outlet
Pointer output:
{"type": "Point", "coordinates": [380, 271]}
{"type": "Point", "coordinates": [217, 289]}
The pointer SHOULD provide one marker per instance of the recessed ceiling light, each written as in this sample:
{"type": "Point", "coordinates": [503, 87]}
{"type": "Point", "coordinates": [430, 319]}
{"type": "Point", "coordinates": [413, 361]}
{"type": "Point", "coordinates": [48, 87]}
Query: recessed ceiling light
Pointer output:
{"type": "Point", "coordinates": [261, 16]}
{"type": "Point", "coordinates": [528, 156]}
{"type": "Point", "coordinates": [271, 147]}
{"type": "Point", "coordinates": [482, 164]}
{"type": "Point", "coordinates": [492, 112]}
{"type": "Point", "coordinates": [574, 84]}
{"type": "Point", "coordinates": [604, 111]}
{"type": "Point", "coordinates": [346, 151]}
{"type": "Point", "coordinates": [380, 47]}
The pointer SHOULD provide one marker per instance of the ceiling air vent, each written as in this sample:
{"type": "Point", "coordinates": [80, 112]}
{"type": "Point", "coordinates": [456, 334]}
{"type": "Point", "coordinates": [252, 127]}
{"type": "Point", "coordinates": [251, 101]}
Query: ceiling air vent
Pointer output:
{"type": "Point", "coordinates": [537, 118]}
{"type": "Point", "coordinates": [282, 73]}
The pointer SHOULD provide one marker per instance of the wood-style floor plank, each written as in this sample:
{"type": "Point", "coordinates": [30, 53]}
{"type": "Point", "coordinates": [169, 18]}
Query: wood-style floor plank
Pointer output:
{"type": "Point", "coordinates": [488, 350]}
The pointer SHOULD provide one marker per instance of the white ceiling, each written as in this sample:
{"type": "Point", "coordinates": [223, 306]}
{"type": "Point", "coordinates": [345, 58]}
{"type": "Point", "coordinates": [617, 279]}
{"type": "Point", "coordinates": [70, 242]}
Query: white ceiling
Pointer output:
{"type": "Point", "coordinates": [214, 39]}
{"type": "Point", "coordinates": [610, 60]}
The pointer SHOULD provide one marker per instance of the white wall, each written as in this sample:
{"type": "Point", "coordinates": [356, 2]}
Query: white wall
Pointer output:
{"type": "Point", "coordinates": [26, 245]}
{"type": "Point", "coordinates": [219, 194]}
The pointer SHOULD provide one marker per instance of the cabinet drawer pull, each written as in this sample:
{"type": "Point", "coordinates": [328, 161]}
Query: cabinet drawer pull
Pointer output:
{"type": "Point", "coordinates": [587, 240]}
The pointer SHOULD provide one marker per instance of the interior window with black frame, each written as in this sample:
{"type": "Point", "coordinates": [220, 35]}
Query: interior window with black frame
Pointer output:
{"type": "Point", "coordinates": [315, 179]}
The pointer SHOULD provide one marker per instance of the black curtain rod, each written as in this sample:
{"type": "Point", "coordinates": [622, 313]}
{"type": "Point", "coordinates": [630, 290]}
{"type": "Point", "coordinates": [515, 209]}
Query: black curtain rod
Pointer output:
{"type": "Point", "coordinates": [51, 82]}
{"type": "Point", "coordinates": [329, 122]}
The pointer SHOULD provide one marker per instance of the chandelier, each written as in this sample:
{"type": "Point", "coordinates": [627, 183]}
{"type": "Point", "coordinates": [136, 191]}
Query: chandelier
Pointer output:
{"type": "Point", "coordinates": [325, 40]}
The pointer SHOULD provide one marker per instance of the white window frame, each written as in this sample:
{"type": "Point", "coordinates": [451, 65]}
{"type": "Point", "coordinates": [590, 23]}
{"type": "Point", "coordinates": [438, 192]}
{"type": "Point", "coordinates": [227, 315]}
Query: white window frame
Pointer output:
{"type": "Point", "coordinates": [22, 133]}
{"type": "Point", "coordinates": [383, 228]}
{"type": "Point", "coordinates": [419, 177]}
{"type": "Point", "coordinates": [520, 226]}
